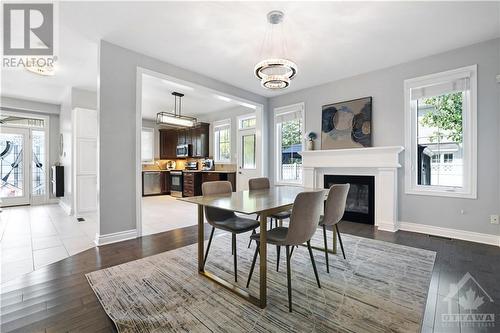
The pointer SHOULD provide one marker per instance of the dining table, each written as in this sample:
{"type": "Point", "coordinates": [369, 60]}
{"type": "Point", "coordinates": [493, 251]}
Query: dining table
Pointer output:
{"type": "Point", "coordinates": [264, 203]}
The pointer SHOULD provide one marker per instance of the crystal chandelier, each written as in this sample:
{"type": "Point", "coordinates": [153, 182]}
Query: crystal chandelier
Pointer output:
{"type": "Point", "coordinates": [275, 72]}
{"type": "Point", "coordinates": [175, 118]}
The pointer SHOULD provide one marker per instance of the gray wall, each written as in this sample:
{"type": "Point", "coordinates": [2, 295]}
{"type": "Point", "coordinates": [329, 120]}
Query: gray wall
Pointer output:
{"type": "Point", "coordinates": [232, 114]}
{"type": "Point", "coordinates": [117, 128]}
{"type": "Point", "coordinates": [386, 87]}
{"type": "Point", "coordinates": [52, 110]}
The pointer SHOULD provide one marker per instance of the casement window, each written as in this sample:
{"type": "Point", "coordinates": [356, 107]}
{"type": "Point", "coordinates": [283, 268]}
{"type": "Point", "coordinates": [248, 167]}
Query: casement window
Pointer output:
{"type": "Point", "coordinates": [222, 141]}
{"type": "Point", "coordinates": [289, 129]}
{"type": "Point", "coordinates": [147, 145]}
{"type": "Point", "coordinates": [441, 134]}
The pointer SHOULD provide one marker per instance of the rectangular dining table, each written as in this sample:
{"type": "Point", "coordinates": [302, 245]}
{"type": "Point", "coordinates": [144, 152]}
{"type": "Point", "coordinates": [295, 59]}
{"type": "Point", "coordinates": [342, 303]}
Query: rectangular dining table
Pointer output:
{"type": "Point", "coordinates": [264, 202]}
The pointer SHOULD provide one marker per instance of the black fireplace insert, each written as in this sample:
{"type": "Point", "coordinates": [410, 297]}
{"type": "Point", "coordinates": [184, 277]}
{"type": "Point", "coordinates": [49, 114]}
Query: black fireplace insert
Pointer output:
{"type": "Point", "coordinates": [360, 205]}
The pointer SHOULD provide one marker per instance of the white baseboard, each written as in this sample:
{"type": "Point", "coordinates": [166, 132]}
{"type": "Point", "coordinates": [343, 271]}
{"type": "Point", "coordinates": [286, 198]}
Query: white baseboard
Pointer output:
{"type": "Point", "coordinates": [65, 207]}
{"type": "Point", "coordinates": [470, 236]}
{"type": "Point", "coordinates": [115, 237]}
{"type": "Point", "coordinates": [53, 201]}
{"type": "Point", "coordinates": [387, 227]}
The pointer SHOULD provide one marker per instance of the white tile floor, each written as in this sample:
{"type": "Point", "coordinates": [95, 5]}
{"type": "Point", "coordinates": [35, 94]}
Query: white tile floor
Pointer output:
{"type": "Point", "coordinates": [34, 236]}
{"type": "Point", "coordinates": [163, 213]}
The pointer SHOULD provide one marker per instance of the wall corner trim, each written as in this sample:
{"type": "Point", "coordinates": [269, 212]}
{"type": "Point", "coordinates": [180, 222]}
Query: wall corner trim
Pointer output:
{"type": "Point", "coordinates": [115, 237]}
{"type": "Point", "coordinates": [465, 235]}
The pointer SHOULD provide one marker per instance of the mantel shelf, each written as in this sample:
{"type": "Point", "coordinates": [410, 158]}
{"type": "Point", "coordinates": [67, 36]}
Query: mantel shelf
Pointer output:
{"type": "Point", "coordinates": [373, 157]}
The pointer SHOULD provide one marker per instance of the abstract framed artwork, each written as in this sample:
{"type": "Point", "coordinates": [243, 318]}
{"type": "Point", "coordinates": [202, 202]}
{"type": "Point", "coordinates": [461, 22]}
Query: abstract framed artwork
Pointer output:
{"type": "Point", "coordinates": [347, 124]}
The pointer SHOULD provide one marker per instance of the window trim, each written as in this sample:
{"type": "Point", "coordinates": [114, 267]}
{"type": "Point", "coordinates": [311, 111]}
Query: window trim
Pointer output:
{"type": "Point", "coordinates": [300, 107]}
{"type": "Point", "coordinates": [246, 117]}
{"type": "Point", "coordinates": [218, 124]}
{"type": "Point", "coordinates": [152, 130]}
{"type": "Point", "coordinates": [469, 190]}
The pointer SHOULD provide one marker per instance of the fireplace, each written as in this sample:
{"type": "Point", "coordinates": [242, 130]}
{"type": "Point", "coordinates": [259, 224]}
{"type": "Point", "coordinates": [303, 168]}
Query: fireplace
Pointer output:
{"type": "Point", "coordinates": [360, 205]}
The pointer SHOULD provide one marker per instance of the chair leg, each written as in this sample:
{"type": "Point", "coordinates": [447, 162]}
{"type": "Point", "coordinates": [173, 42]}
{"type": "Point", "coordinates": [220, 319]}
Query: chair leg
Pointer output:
{"type": "Point", "coordinates": [235, 259]}
{"type": "Point", "coordinates": [291, 252]}
{"type": "Point", "coordinates": [278, 248]}
{"type": "Point", "coordinates": [253, 264]}
{"type": "Point", "coordinates": [289, 278]}
{"type": "Point", "coordinates": [340, 240]}
{"type": "Point", "coordinates": [313, 263]}
{"type": "Point", "coordinates": [208, 246]}
{"type": "Point", "coordinates": [326, 249]}
{"type": "Point", "coordinates": [250, 241]}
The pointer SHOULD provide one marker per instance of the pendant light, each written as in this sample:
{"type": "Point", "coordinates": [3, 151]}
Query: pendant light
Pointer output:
{"type": "Point", "coordinates": [275, 72]}
{"type": "Point", "coordinates": [175, 118]}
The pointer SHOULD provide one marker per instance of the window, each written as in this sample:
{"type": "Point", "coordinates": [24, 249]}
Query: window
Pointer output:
{"type": "Point", "coordinates": [248, 151]}
{"type": "Point", "coordinates": [248, 122]}
{"type": "Point", "coordinates": [222, 139]}
{"type": "Point", "coordinates": [147, 145]}
{"type": "Point", "coordinates": [440, 120]}
{"type": "Point", "coordinates": [289, 126]}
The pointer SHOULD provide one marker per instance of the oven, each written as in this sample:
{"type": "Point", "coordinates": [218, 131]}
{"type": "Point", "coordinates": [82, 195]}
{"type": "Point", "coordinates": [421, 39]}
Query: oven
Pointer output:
{"type": "Point", "coordinates": [176, 183]}
{"type": "Point", "coordinates": [185, 150]}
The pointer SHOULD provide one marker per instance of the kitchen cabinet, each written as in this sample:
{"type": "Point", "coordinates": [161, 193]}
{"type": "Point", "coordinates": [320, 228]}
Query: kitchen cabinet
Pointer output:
{"type": "Point", "coordinates": [197, 137]}
{"type": "Point", "coordinates": [168, 144]}
{"type": "Point", "coordinates": [208, 176]}
{"type": "Point", "coordinates": [192, 184]}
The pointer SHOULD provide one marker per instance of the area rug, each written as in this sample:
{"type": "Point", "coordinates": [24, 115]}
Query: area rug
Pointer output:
{"type": "Point", "coordinates": [381, 287]}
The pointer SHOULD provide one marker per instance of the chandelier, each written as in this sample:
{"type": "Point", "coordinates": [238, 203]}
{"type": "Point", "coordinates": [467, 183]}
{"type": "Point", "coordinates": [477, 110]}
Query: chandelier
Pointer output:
{"type": "Point", "coordinates": [175, 118]}
{"type": "Point", "coordinates": [275, 72]}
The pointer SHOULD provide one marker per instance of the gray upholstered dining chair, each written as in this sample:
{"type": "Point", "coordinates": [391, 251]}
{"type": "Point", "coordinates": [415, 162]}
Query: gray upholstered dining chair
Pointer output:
{"type": "Point", "coordinates": [334, 210]}
{"type": "Point", "coordinates": [224, 219]}
{"type": "Point", "coordinates": [303, 223]}
{"type": "Point", "coordinates": [263, 183]}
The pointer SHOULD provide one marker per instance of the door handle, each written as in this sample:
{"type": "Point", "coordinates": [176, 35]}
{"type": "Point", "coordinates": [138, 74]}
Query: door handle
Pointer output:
{"type": "Point", "coordinates": [239, 172]}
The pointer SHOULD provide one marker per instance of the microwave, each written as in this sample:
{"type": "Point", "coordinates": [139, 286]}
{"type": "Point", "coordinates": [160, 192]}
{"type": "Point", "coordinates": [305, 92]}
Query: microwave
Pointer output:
{"type": "Point", "coordinates": [184, 150]}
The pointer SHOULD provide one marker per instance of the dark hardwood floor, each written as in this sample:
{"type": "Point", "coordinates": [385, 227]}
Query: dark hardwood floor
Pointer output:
{"type": "Point", "coordinates": [57, 298]}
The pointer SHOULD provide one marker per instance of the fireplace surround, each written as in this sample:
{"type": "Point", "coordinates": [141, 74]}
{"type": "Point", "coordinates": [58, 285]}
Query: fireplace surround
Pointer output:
{"type": "Point", "coordinates": [382, 163]}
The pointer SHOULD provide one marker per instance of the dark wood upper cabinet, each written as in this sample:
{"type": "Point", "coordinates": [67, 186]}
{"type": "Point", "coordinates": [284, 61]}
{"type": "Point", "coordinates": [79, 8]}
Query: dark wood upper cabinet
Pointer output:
{"type": "Point", "coordinates": [197, 137]}
{"type": "Point", "coordinates": [168, 143]}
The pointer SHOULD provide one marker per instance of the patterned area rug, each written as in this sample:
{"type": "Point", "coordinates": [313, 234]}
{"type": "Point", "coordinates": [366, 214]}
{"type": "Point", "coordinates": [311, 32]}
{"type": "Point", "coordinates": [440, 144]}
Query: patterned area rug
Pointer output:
{"type": "Point", "coordinates": [381, 287]}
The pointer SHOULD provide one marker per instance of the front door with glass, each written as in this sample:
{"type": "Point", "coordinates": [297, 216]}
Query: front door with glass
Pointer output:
{"type": "Point", "coordinates": [249, 155]}
{"type": "Point", "coordinates": [14, 166]}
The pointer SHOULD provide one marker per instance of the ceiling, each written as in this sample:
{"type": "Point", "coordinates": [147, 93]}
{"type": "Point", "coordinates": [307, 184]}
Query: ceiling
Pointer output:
{"type": "Point", "coordinates": [157, 97]}
{"type": "Point", "coordinates": [222, 40]}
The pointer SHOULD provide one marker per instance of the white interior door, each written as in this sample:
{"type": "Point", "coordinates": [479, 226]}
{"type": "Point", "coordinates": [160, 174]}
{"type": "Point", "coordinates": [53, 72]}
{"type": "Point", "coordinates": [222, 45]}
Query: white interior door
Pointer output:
{"type": "Point", "coordinates": [249, 149]}
{"type": "Point", "coordinates": [15, 165]}
{"type": "Point", "coordinates": [85, 152]}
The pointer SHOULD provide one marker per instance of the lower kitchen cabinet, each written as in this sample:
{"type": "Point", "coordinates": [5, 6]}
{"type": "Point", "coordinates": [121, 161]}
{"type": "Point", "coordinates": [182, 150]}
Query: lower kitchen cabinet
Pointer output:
{"type": "Point", "coordinates": [192, 184]}
{"type": "Point", "coordinates": [215, 176]}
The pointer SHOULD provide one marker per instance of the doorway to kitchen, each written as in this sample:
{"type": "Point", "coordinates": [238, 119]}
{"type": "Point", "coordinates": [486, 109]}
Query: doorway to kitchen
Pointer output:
{"type": "Point", "coordinates": [189, 134]}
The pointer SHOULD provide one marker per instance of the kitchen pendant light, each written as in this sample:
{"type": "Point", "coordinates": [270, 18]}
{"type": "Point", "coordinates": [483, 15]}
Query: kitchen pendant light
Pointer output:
{"type": "Point", "coordinates": [175, 118]}
{"type": "Point", "coordinates": [275, 72]}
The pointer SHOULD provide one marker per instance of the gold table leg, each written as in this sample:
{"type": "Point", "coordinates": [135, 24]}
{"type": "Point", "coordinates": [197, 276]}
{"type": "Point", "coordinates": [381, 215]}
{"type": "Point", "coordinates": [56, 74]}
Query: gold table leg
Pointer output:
{"type": "Point", "coordinates": [201, 238]}
{"type": "Point", "coordinates": [263, 261]}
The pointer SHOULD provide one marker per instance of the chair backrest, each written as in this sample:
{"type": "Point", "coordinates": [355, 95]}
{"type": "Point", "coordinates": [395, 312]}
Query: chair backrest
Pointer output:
{"type": "Point", "coordinates": [335, 203]}
{"type": "Point", "coordinates": [261, 183]}
{"type": "Point", "coordinates": [213, 188]}
{"type": "Point", "coordinates": [305, 215]}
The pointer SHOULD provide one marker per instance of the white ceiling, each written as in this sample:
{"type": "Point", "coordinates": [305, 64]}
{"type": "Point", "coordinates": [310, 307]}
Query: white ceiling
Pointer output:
{"type": "Point", "coordinates": [327, 40]}
{"type": "Point", "coordinates": [157, 97]}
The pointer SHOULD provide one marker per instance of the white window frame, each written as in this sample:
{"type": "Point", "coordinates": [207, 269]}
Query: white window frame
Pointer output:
{"type": "Point", "coordinates": [298, 107]}
{"type": "Point", "coordinates": [225, 123]}
{"type": "Point", "coordinates": [152, 130]}
{"type": "Point", "coordinates": [469, 189]}
{"type": "Point", "coordinates": [246, 117]}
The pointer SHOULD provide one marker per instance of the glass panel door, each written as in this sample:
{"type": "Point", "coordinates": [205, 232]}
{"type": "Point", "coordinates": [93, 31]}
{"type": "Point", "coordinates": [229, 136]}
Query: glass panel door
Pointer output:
{"type": "Point", "coordinates": [14, 175]}
{"type": "Point", "coordinates": [248, 149]}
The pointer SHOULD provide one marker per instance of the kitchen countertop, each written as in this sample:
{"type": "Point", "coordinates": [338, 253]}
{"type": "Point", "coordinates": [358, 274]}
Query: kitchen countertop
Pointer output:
{"type": "Point", "coordinates": [206, 171]}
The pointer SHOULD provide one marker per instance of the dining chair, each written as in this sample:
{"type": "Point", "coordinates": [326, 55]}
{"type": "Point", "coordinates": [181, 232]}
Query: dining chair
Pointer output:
{"type": "Point", "coordinates": [303, 223]}
{"type": "Point", "coordinates": [334, 211]}
{"type": "Point", "coordinates": [263, 183]}
{"type": "Point", "coordinates": [224, 219]}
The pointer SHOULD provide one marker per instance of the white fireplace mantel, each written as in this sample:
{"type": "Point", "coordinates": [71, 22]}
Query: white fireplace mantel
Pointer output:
{"type": "Point", "coordinates": [380, 162]}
